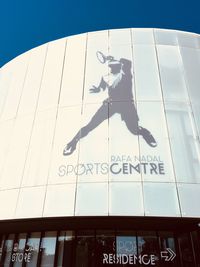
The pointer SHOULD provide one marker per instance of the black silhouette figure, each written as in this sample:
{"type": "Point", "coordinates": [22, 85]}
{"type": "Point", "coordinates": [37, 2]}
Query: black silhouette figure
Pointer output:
{"type": "Point", "coordinates": [119, 85]}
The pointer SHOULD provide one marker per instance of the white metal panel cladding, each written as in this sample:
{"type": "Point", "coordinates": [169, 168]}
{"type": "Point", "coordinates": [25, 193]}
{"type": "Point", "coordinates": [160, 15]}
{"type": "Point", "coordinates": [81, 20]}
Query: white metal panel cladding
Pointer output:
{"type": "Point", "coordinates": [129, 115]}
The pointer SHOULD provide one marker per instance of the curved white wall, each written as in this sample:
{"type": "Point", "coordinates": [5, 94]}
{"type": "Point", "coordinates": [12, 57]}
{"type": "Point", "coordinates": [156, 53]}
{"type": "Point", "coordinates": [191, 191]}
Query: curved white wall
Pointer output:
{"type": "Point", "coordinates": [45, 100]}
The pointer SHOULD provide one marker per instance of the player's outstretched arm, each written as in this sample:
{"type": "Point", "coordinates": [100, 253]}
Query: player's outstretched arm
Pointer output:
{"type": "Point", "coordinates": [97, 89]}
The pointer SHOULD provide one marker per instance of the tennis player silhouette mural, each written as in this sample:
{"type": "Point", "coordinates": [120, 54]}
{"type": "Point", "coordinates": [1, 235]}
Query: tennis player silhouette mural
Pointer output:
{"type": "Point", "coordinates": [120, 100]}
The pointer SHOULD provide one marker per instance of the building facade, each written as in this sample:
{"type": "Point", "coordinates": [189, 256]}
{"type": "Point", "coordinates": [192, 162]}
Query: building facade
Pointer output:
{"type": "Point", "coordinates": [100, 152]}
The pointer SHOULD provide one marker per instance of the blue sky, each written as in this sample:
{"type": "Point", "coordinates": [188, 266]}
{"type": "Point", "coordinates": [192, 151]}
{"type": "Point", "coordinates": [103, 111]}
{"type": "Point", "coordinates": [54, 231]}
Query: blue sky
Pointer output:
{"type": "Point", "coordinates": [28, 23]}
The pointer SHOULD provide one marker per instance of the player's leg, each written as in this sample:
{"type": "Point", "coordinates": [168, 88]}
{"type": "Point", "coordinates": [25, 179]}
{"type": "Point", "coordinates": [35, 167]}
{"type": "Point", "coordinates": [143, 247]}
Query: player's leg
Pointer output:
{"type": "Point", "coordinates": [147, 136]}
{"type": "Point", "coordinates": [98, 118]}
{"type": "Point", "coordinates": [130, 117]}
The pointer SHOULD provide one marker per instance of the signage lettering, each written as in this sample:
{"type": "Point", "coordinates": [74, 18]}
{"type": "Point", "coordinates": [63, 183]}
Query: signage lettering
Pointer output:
{"type": "Point", "coordinates": [18, 256]}
{"type": "Point", "coordinates": [113, 168]}
{"type": "Point", "coordinates": [132, 259]}
{"type": "Point", "coordinates": [129, 259]}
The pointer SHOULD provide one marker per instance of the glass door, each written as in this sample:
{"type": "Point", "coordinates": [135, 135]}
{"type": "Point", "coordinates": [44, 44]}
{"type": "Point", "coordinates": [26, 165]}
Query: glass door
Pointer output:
{"type": "Point", "coordinates": [105, 248]}
{"type": "Point", "coordinates": [126, 248]}
{"type": "Point", "coordinates": [168, 249]}
{"type": "Point", "coordinates": [85, 249]}
{"type": "Point", "coordinates": [146, 248]}
{"type": "Point", "coordinates": [186, 248]}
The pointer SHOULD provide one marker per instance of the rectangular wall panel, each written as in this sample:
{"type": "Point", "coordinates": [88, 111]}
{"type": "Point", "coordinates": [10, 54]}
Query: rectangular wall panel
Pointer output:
{"type": "Point", "coordinates": [160, 199]}
{"type": "Point", "coordinates": [38, 159]}
{"type": "Point", "coordinates": [156, 159]}
{"type": "Point", "coordinates": [73, 72]}
{"type": "Point", "coordinates": [123, 119]}
{"type": "Point", "coordinates": [119, 37]}
{"type": "Point", "coordinates": [17, 153]}
{"type": "Point", "coordinates": [123, 142]}
{"type": "Point", "coordinates": [187, 39]}
{"type": "Point", "coordinates": [94, 69]}
{"type": "Point", "coordinates": [185, 147]}
{"type": "Point", "coordinates": [146, 73]}
{"type": "Point", "coordinates": [9, 200]}
{"type": "Point", "coordinates": [97, 38]}
{"type": "Point", "coordinates": [124, 81]}
{"type": "Point", "coordinates": [18, 73]}
{"type": "Point", "coordinates": [142, 36]}
{"type": "Point", "coordinates": [5, 81]}
{"type": "Point", "coordinates": [6, 129]}
{"type": "Point", "coordinates": [30, 202]}
{"type": "Point", "coordinates": [32, 83]}
{"type": "Point", "coordinates": [166, 37]}
{"type": "Point", "coordinates": [189, 199]}
{"type": "Point", "coordinates": [59, 200]}
{"type": "Point", "coordinates": [171, 71]}
{"type": "Point", "coordinates": [50, 87]}
{"type": "Point", "coordinates": [126, 199]}
{"type": "Point", "coordinates": [92, 198]}
{"type": "Point", "coordinates": [63, 169]}
{"type": "Point", "coordinates": [93, 156]}
{"type": "Point", "coordinates": [191, 63]}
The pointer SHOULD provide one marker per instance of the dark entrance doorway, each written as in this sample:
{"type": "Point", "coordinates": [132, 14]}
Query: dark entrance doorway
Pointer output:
{"type": "Point", "coordinates": [137, 248]}
{"type": "Point", "coordinates": [99, 242]}
{"type": "Point", "coordinates": [128, 248]}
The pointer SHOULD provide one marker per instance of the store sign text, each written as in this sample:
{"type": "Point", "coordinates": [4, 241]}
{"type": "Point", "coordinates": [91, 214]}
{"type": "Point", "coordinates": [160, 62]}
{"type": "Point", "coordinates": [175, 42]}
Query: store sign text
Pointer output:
{"type": "Point", "coordinates": [18, 256]}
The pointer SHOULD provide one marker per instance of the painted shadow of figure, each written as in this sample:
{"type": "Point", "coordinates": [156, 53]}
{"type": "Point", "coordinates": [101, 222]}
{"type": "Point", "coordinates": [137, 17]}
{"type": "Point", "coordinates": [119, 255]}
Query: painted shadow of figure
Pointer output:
{"type": "Point", "coordinates": [120, 100]}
